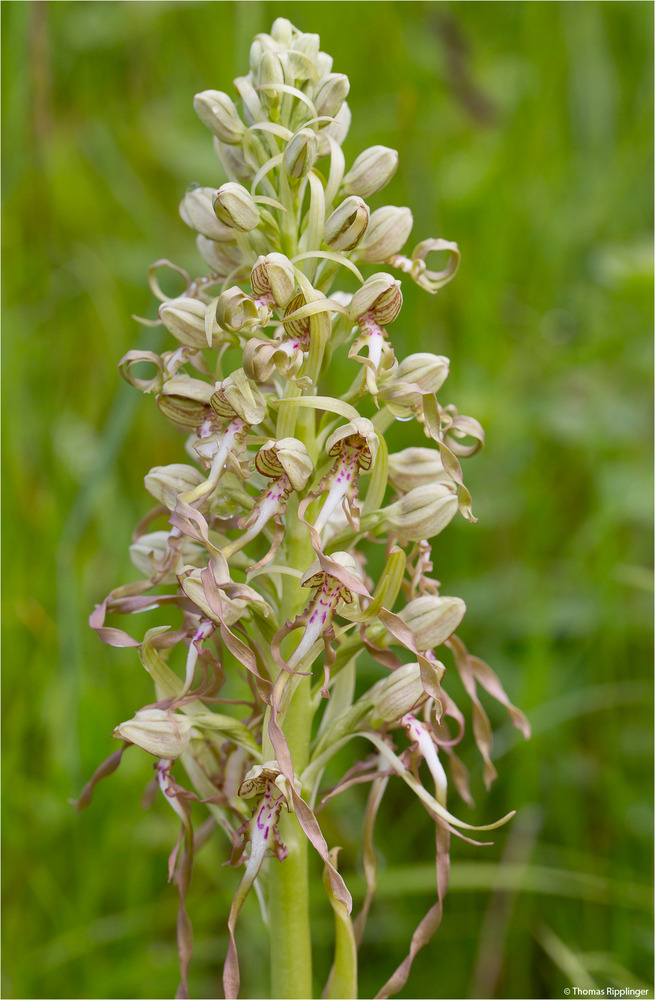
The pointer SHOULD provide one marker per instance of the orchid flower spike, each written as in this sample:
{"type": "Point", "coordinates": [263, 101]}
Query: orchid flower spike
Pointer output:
{"type": "Point", "coordinates": [286, 535]}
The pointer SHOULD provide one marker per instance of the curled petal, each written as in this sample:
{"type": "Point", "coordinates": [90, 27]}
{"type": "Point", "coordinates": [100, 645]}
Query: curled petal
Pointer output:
{"type": "Point", "coordinates": [472, 670]}
{"type": "Point", "coordinates": [106, 768]}
{"type": "Point", "coordinates": [432, 281]}
{"type": "Point", "coordinates": [416, 267]}
{"type": "Point", "coordinates": [153, 384]}
{"type": "Point", "coordinates": [153, 281]}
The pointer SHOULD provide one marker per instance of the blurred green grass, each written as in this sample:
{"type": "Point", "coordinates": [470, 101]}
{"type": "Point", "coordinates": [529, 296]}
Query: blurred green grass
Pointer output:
{"type": "Point", "coordinates": [525, 134]}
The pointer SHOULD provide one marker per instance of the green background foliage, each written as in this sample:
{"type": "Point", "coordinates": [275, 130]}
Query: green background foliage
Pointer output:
{"type": "Point", "coordinates": [524, 132]}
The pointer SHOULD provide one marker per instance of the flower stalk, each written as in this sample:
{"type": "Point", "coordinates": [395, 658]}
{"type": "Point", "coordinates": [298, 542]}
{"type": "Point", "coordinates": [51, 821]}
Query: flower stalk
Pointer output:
{"type": "Point", "coordinates": [260, 563]}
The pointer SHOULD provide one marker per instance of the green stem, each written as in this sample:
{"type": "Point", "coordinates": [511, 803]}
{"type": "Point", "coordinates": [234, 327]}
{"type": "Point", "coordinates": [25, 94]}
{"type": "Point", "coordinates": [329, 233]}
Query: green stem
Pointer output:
{"type": "Point", "coordinates": [289, 926]}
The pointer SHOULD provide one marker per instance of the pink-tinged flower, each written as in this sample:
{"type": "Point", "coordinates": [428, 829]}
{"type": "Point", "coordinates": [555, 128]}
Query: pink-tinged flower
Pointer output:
{"type": "Point", "coordinates": [261, 834]}
{"type": "Point", "coordinates": [316, 619]}
{"type": "Point", "coordinates": [354, 447]}
{"type": "Point", "coordinates": [287, 463]}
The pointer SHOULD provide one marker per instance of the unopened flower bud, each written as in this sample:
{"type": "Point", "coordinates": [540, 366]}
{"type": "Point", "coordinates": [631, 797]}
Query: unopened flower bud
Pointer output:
{"type": "Point", "coordinates": [162, 733]}
{"type": "Point", "coordinates": [422, 513]}
{"type": "Point", "coordinates": [269, 76]}
{"type": "Point", "coordinates": [236, 207]}
{"type": "Point", "coordinates": [380, 297]}
{"type": "Point", "coordinates": [323, 64]}
{"type": "Point", "coordinates": [309, 44]}
{"type": "Point", "coordinates": [397, 694]}
{"type": "Point", "coordinates": [274, 275]}
{"type": "Point", "coordinates": [347, 224]}
{"type": "Point", "coordinates": [330, 94]}
{"type": "Point", "coordinates": [237, 395]}
{"type": "Point", "coordinates": [283, 32]}
{"type": "Point", "coordinates": [433, 619]}
{"type": "Point", "coordinates": [371, 171]}
{"type": "Point", "coordinates": [218, 112]}
{"type": "Point", "coordinates": [289, 457]}
{"type": "Point", "coordinates": [185, 401]}
{"type": "Point", "coordinates": [414, 467]}
{"type": "Point", "coordinates": [300, 153]}
{"type": "Point", "coordinates": [166, 482]}
{"type": "Point", "coordinates": [236, 311]}
{"type": "Point", "coordinates": [197, 210]}
{"type": "Point", "coordinates": [185, 319]}
{"type": "Point", "coordinates": [387, 233]}
{"type": "Point", "coordinates": [308, 47]}
{"type": "Point", "coordinates": [417, 375]}
{"type": "Point", "coordinates": [428, 371]}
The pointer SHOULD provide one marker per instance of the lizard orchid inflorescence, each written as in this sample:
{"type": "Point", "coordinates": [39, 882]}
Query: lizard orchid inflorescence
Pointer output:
{"type": "Point", "coordinates": [263, 548]}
